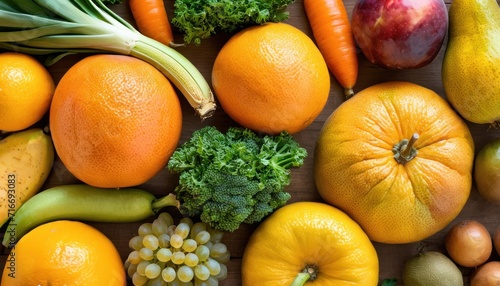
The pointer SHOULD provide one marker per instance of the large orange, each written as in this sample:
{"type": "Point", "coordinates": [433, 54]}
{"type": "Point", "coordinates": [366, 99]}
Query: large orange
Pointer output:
{"type": "Point", "coordinates": [64, 253]}
{"type": "Point", "coordinates": [309, 236]}
{"type": "Point", "coordinates": [115, 120]}
{"type": "Point", "coordinates": [26, 89]}
{"type": "Point", "coordinates": [359, 165]}
{"type": "Point", "coordinates": [271, 78]}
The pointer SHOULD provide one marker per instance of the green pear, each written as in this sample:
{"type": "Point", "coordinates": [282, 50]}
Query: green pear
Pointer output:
{"type": "Point", "coordinates": [471, 64]}
{"type": "Point", "coordinates": [26, 159]}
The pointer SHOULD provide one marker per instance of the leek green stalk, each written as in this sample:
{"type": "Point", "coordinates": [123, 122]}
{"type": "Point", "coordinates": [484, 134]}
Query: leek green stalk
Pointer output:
{"type": "Point", "coordinates": [56, 28]}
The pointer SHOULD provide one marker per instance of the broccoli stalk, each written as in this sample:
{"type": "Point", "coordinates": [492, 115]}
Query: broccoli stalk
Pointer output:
{"type": "Point", "coordinates": [199, 19]}
{"type": "Point", "coordinates": [234, 178]}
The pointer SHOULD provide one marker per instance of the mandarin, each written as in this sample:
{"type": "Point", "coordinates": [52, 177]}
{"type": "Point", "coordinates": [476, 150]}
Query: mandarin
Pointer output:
{"type": "Point", "coordinates": [115, 120]}
{"type": "Point", "coordinates": [64, 253]}
{"type": "Point", "coordinates": [271, 78]}
{"type": "Point", "coordinates": [26, 89]}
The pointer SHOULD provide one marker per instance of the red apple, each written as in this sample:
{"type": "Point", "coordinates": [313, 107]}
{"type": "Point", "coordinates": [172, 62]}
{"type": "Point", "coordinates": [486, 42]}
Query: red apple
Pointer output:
{"type": "Point", "coordinates": [400, 34]}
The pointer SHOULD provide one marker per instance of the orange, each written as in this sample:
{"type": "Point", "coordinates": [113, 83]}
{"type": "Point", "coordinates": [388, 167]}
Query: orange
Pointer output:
{"type": "Point", "coordinates": [115, 120]}
{"type": "Point", "coordinates": [309, 236]}
{"type": "Point", "coordinates": [64, 253]}
{"type": "Point", "coordinates": [360, 165]}
{"type": "Point", "coordinates": [26, 89]}
{"type": "Point", "coordinates": [271, 78]}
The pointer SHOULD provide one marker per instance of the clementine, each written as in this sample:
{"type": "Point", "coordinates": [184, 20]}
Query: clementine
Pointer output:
{"type": "Point", "coordinates": [313, 238]}
{"type": "Point", "coordinates": [369, 163]}
{"type": "Point", "coordinates": [115, 120]}
{"type": "Point", "coordinates": [64, 253]}
{"type": "Point", "coordinates": [271, 78]}
{"type": "Point", "coordinates": [26, 89]}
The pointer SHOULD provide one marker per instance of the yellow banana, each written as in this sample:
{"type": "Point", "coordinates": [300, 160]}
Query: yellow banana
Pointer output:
{"type": "Point", "coordinates": [26, 159]}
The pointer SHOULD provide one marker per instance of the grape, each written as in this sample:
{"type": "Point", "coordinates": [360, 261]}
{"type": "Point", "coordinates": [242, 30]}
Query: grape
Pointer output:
{"type": "Point", "coordinates": [187, 221]}
{"type": "Point", "coordinates": [135, 242]}
{"type": "Point", "coordinates": [201, 272]}
{"type": "Point", "coordinates": [164, 254]}
{"type": "Point", "coordinates": [158, 281]}
{"type": "Point", "coordinates": [176, 241]}
{"type": "Point", "coordinates": [164, 240]}
{"type": "Point", "coordinates": [145, 229]}
{"type": "Point", "coordinates": [159, 226]}
{"type": "Point", "coordinates": [178, 257]}
{"type": "Point", "coordinates": [152, 271]}
{"type": "Point", "coordinates": [185, 273]}
{"type": "Point", "coordinates": [191, 260]}
{"type": "Point", "coordinates": [213, 266]}
{"type": "Point", "coordinates": [139, 280]}
{"type": "Point", "coordinates": [222, 273]}
{"type": "Point", "coordinates": [224, 258]}
{"type": "Point", "coordinates": [212, 281]}
{"type": "Point", "coordinates": [146, 253]}
{"type": "Point", "coordinates": [141, 267]}
{"type": "Point", "coordinates": [216, 235]}
{"type": "Point", "coordinates": [189, 245]}
{"type": "Point", "coordinates": [217, 250]}
{"type": "Point", "coordinates": [131, 269]}
{"type": "Point", "coordinates": [182, 229]}
{"type": "Point", "coordinates": [186, 254]}
{"type": "Point", "coordinates": [134, 257]}
{"type": "Point", "coordinates": [202, 252]}
{"type": "Point", "coordinates": [168, 274]}
{"type": "Point", "coordinates": [150, 241]}
{"type": "Point", "coordinates": [197, 227]}
{"type": "Point", "coordinates": [167, 218]}
{"type": "Point", "coordinates": [202, 237]}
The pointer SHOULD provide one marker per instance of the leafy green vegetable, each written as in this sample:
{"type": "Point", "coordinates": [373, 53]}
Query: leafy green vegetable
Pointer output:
{"type": "Point", "coordinates": [56, 28]}
{"type": "Point", "coordinates": [234, 178]}
{"type": "Point", "coordinates": [199, 19]}
{"type": "Point", "coordinates": [389, 282]}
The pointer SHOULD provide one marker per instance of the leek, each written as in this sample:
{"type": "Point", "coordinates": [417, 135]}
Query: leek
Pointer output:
{"type": "Point", "coordinates": [56, 28]}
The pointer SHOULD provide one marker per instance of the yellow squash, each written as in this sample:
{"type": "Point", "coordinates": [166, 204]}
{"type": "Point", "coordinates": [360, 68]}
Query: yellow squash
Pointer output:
{"type": "Point", "coordinates": [309, 241]}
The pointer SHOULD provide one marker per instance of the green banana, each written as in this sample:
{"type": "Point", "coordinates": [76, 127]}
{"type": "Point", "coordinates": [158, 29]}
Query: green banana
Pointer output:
{"type": "Point", "coordinates": [26, 159]}
{"type": "Point", "coordinates": [86, 203]}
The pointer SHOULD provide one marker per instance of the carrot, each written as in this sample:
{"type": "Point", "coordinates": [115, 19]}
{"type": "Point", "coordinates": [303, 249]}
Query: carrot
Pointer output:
{"type": "Point", "coordinates": [332, 31]}
{"type": "Point", "coordinates": [152, 20]}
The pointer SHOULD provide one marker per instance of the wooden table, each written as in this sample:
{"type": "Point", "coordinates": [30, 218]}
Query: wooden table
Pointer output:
{"type": "Point", "coordinates": [302, 188]}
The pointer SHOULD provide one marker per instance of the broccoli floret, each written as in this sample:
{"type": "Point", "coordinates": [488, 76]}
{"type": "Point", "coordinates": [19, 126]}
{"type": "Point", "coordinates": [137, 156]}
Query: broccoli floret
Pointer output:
{"type": "Point", "coordinates": [235, 177]}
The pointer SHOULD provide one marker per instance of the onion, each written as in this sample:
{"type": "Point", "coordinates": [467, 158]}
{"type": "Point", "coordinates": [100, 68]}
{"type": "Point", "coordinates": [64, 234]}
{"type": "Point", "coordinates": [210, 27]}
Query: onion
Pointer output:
{"type": "Point", "coordinates": [496, 240]}
{"type": "Point", "coordinates": [469, 243]}
{"type": "Point", "coordinates": [487, 274]}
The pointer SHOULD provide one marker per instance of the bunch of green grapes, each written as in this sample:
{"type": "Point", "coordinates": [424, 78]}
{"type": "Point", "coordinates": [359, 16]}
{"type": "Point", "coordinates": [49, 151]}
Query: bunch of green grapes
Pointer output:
{"type": "Point", "coordinates": [165, 254]}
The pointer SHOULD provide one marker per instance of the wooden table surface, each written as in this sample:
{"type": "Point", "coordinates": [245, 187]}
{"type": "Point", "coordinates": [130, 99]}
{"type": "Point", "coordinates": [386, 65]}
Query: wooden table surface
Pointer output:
{"type": "Point", "coordinates": [391, 257]}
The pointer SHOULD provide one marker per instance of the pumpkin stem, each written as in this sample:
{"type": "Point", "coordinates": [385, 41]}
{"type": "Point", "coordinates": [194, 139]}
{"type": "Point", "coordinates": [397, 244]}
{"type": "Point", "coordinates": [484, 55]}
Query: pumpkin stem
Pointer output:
{"type": "Point", "coordinates": [309, 273]}
{"type": "Point", "coordinates": [404, 150]}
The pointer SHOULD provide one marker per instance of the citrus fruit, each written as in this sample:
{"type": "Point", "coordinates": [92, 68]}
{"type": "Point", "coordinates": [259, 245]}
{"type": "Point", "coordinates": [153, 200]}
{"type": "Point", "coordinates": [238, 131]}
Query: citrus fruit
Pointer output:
{"type": "Point", "coordinates": [361, 166]}
{"type": "Point", "coordinates": [26, 89]}
{"type": "Point", "coordinates": [64, 253]}
{"type": "Point", "coordinates": [310, 237]}
{"type": "Point", "coordinates": [431, 268]}
{"type": "Point", "coordinates": [115, 120]}
{"type": "Point", "coordinates": [271, 78]}
{"type": "Point", "coordinates": [487, 171]}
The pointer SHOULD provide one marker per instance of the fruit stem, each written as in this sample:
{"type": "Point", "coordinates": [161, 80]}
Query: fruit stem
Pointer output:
{"type": "Point", "coordinates": [309, 273]}
{"type": "Point", "coordinates": [166, 201]}
{"type": "Point", "coordinates": [404, 150]}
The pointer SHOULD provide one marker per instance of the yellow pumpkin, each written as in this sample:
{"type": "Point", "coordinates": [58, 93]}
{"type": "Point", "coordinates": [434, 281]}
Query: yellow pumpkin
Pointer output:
{"type": "Point", "coordinates": [396, 194]}
{"type": "Point", "coordinates": [309, 241]}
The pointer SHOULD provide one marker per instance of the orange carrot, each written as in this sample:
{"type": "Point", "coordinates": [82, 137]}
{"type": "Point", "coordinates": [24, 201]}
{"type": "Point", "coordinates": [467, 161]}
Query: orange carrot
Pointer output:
{"type": "Point", "coordinates": [332, 31]}
{"type": "Point", "coordinates": [152, 20]}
